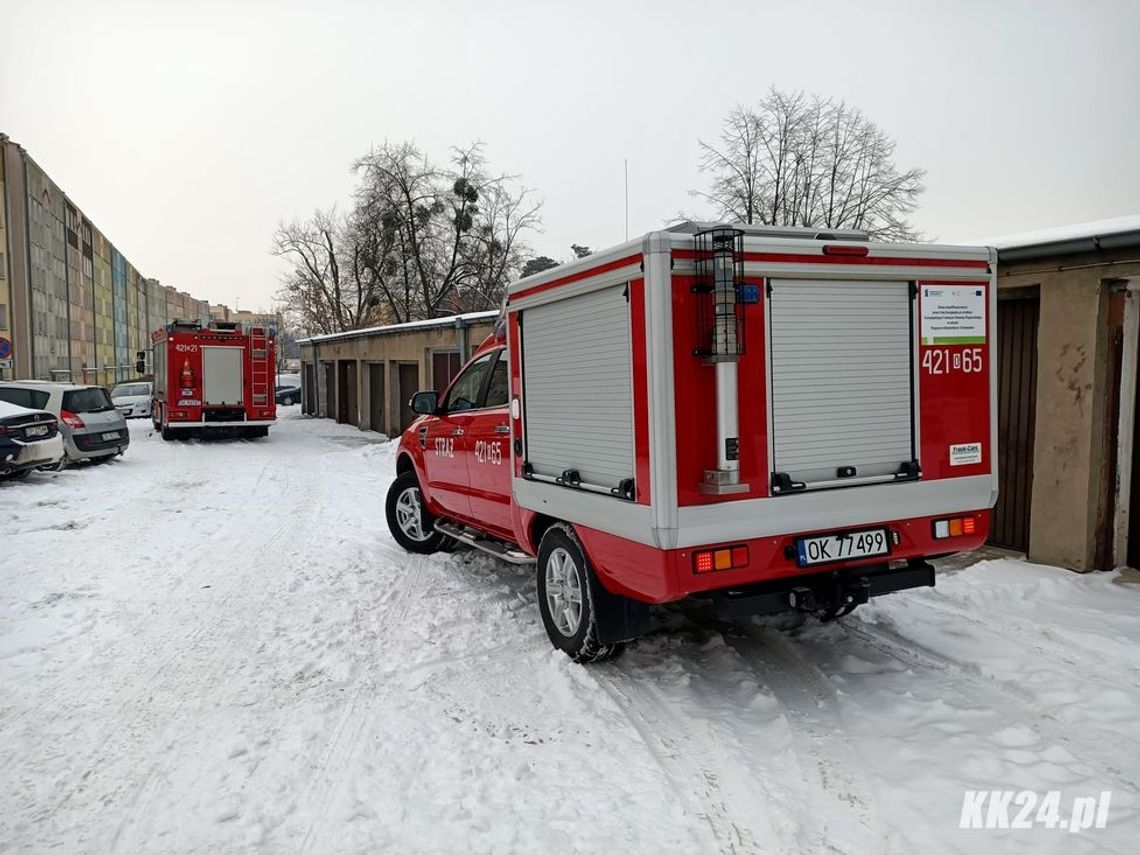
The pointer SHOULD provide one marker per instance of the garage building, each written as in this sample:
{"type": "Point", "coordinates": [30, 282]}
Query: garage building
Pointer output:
{"type": "Point", "coordinates": [1067, 327]}
{"type": "Point", "coordinates": [365, 377]}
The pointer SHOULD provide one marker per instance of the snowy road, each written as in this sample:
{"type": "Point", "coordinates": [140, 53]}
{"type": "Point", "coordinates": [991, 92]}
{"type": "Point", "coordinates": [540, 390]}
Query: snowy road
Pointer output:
{"type": "Point", "coordinates": [218, 647]}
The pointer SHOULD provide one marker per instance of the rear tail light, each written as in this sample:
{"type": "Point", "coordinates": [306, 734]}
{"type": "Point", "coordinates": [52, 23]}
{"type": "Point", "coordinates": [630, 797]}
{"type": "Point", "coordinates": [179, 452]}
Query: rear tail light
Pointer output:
{"type": "Point", "coordinates": [726, 558]}
{"type": "Point", "coordinates": [954, 527]}
{"type": "Point", "coordinates": [71, 419]}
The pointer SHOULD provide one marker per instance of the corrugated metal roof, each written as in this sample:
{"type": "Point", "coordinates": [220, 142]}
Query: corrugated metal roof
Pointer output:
{"type": "Point", "coordinates": [448, 321]}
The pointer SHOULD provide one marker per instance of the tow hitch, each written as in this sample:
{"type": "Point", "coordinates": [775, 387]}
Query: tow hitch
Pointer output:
{"type": "Point", "coordinates": [828, 604]}
{"type": "Point", "coordinates": [828, 595]}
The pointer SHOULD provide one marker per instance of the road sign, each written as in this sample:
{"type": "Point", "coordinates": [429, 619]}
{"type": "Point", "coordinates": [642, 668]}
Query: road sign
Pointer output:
{"type": "Point", "coordinates": [5, 348]}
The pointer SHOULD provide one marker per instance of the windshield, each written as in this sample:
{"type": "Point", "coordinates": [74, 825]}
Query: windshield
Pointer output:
{"type": "Point", "coordinates": [93, 400]}
{"type": "Point", "coordinates": [130, 390]}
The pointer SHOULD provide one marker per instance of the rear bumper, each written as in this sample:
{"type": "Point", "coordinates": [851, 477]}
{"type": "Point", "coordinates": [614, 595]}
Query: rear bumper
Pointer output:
{"type": "Point", "coordinates": [829, 590]}
{"type": "Point", "coordinates": [198, 425]}
{"type": "Point", "coordinates": [16, 456]}
{"type": "Point", "coordinates": [89, 446]}
{"type": "Point", "coordinates": [654, 575]}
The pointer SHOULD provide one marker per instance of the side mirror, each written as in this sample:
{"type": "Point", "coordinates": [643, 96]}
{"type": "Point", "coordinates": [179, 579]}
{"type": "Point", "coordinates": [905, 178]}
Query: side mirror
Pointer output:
{"type": "Point", "coordinates": [425, 403]}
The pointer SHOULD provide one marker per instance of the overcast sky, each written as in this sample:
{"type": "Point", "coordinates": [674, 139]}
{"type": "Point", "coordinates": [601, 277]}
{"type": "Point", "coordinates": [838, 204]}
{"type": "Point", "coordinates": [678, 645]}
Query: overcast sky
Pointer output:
{"type": "Point", "coordinates": [186, 130]}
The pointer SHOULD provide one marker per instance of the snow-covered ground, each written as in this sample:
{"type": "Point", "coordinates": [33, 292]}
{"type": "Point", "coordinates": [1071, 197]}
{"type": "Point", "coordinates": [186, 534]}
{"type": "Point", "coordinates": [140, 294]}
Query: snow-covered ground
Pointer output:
{"type": "Point", "coordinates": [218, 647]}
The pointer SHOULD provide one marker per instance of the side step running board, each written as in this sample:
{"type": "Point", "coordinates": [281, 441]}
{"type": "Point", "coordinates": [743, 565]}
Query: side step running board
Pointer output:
{"type": "Point", "coordinates": [498, 548]}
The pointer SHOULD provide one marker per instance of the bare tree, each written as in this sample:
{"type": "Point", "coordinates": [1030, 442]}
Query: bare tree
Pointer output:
{"type": "Point", "coordinates": [799, 160]}
{"type": "Point", "coordinates": [421, 241]}
{"type": "Point", "coordinates": [453, 237]}
{"type": "Point", "coordinates": [326, 289]}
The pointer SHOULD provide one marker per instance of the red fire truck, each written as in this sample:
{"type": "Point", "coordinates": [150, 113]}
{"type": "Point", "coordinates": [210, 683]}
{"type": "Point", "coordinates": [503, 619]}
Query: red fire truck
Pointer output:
{"type": "Point", "coordinates": [775, 419]}
{"type": "Point", "coordinates": [215, 379]}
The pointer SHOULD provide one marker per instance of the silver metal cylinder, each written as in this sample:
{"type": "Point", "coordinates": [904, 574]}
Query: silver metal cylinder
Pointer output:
{"type": "Point", "coordinates": [727, 427]}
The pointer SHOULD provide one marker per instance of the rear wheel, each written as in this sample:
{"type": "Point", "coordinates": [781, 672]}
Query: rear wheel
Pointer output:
{"type": "Point", "coordinates": [408, 520]}
{"type": "Point", "coordinates": [565, 598]}
{"type": "Point", "coordinates": [19, 475]}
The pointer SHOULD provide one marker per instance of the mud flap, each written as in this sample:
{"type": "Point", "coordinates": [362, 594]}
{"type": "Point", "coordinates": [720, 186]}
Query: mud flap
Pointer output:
{"type": "Point", "coordinates": [618, 618]}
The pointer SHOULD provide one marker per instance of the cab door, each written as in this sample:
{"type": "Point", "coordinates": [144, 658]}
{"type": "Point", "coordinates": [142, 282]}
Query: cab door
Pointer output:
{"type": "Point", "coordinates": [446, 441]}
{"type": "Point", "coordinates": [489, 458]}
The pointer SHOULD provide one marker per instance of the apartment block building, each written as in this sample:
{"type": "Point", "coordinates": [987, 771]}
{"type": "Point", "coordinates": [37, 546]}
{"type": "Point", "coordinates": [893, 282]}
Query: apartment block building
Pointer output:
{"type": "Point", "coordinates": [72, 305]}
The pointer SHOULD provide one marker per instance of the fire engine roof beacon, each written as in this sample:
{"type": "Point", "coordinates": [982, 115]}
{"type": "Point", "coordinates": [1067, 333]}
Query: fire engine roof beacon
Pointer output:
{"type": "Point", "coordinates": [213, 380]}
{"type": "Point", "coordinates": [771, 418]}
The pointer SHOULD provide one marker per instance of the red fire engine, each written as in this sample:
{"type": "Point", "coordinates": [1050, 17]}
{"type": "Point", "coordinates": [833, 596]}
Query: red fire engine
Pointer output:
{"type": "Point", "coordinates": [771, 418]}
{"type": "Point", "coordinates": [213, 379]}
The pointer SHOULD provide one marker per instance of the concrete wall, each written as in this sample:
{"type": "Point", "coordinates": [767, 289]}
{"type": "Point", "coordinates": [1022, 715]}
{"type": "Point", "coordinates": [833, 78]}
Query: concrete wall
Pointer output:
{"type": "Point", "coordinates": [389, 349]}
{"type": "Point", "coordinates": [1072, 344]}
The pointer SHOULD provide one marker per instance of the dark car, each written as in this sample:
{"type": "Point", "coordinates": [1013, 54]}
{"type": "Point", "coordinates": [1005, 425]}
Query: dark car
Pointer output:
{"type": "Point", "coordinates": [287, 395]}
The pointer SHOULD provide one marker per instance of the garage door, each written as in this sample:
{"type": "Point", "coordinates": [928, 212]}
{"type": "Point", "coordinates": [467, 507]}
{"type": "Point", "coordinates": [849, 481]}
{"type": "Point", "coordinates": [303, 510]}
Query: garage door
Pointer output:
{"type": "Point", "coordinates": [842, 393]}
{"type": "Point", "coordinates": [577, 388]}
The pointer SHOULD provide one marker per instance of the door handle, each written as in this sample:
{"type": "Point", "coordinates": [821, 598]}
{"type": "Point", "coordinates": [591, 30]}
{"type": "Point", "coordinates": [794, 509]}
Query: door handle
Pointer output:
{"type": "Point", "coordinates": [457, 432]}
{"type": "Point", "coordinates": [503, 429]}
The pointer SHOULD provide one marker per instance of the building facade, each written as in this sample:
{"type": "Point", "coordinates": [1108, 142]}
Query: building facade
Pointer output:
{"type": "Point", "coordinates": [365, 377]}
{"type": "Point", "coordinates": [71, 303]}
{"type": "Point", "coordinates": [1067, 336]}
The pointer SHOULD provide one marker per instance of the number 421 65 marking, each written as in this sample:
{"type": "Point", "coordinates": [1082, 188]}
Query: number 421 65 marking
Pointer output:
{"type": "Point", "coordinates": [940, 360]}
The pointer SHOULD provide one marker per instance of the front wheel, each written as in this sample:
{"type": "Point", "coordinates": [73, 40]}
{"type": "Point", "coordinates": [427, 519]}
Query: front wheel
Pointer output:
{"type": "Point", "coordinates": [408, 520]}
{"type": "Point", "coordinates": [566, 600]}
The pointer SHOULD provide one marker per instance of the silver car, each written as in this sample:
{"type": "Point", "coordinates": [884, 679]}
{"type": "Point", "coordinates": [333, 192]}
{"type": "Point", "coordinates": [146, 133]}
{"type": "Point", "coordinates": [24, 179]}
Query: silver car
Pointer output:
{"type": "Point", "coordinates": [132, 399]}
{"type": "Point", "coordinates": [91, 427]}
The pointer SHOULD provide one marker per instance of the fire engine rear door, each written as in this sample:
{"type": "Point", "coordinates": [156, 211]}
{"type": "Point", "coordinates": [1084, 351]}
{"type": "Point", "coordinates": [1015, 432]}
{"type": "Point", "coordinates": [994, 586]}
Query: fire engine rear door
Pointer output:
{"type": "Point", "coordinates": [222, 375]}
{"type": "Point", "coordinates": [841, 363]}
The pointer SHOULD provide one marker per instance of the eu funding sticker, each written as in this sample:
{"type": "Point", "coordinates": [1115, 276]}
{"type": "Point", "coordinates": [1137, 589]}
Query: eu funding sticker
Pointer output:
{"type": "Point", "coordinates": [953, 314]}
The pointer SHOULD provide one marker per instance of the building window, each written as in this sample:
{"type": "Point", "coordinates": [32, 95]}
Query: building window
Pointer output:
{"type": "Point", "coordinates": [3, 317]}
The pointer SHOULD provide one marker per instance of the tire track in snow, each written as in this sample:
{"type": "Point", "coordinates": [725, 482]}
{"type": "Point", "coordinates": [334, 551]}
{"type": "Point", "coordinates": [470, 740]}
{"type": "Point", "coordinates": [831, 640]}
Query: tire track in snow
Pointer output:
{"type": "Point", "coordinates": [830, 766]}
{"type": "Point", "coordinates": [328, 777]}
{"type": "Point", "coordinates": [692, 764]}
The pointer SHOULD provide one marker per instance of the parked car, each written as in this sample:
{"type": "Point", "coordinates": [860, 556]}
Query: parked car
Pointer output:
{"type": "Point", "coordinates": [91, 427]}
{"type": "Point", "coordinates": [132, 399]}
{"type": "Point", "coordinates": [287, 394]}
{"type": "Point", "coordinates": [29, 439]}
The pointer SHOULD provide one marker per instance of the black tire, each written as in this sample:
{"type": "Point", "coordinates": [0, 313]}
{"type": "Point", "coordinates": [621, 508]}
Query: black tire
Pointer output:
{"type": "Point", "coordinates": [168, 434]}
{"type": "Point", "coordinates": [257, 432]}
{"type": "Point", "coordinates": [17, 476]}
{"type": "Point", "coordinates": [288, 401]}
{"type": "Point", "coordinates": [404, 497]}
{"type": "Point", "coordinates": [581, 644]}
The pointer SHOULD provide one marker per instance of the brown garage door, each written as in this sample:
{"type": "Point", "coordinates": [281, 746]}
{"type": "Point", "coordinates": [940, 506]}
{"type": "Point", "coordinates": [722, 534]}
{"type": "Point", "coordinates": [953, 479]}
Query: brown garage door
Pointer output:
{"type": "Point", "coordinates": [346, 393]}
{"type": "Point", "coordinates": [444, 366]}
{"type": "Point", "coordinates": [376, 397]}
{"type": "Point", "coordinates": [409, 385]}
{"type": "Point", "coordinates": [1017, 405]}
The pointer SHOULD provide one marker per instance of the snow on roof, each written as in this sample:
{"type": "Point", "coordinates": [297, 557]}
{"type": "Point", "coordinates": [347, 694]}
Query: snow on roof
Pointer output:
{"type": "Point", "coordinates": [1058, 234]}
{"type": "Point", "coordinates": [450, 320]}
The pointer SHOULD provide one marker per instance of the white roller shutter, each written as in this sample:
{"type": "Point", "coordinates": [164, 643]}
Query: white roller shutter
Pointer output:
{"type": "Point", "coordinates": [841, 367]}
{"type": "Point", "coordinates": [577, 387]}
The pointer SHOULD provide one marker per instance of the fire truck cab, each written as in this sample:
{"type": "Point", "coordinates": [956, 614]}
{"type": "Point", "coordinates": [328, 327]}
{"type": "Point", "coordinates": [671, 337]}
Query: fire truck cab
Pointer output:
{"type": "Point", "coordinates": [214, 379]}
{"type": "Point", "coordinates": [774, 419]}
